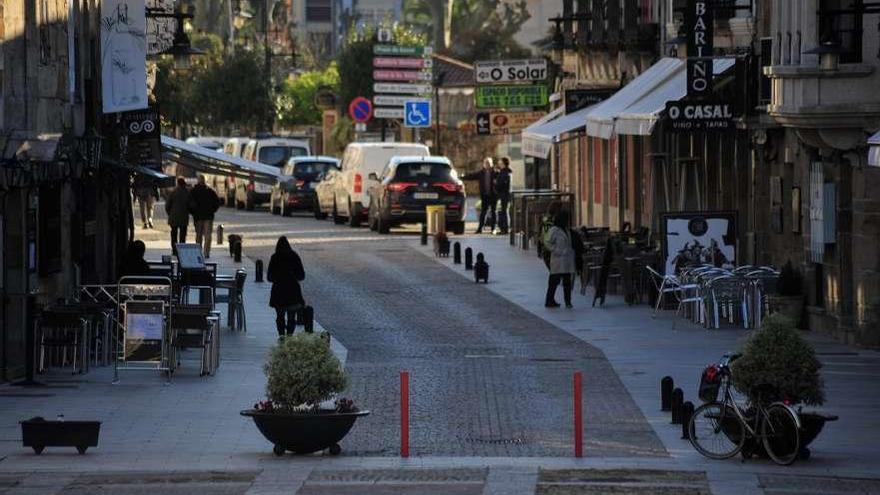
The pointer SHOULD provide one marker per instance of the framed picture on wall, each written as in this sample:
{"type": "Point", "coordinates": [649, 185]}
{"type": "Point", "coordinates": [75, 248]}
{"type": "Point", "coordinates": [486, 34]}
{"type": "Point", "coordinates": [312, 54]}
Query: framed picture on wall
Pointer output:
{"type": "Point", "coordinates": [796, 210]}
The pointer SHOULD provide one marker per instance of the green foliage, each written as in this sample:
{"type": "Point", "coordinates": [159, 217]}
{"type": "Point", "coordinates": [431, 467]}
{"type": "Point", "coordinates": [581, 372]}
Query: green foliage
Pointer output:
{"type": "Point", "coordinates": [340, 135]}
{"type": "Point", "coordinates": [295, 105]}
{"type": "Point", "coordinates": [302, 370]}
{"type": "Point", "coordinates": [790, 282]}
{"type": "Point", "coordinates": [776, 357]}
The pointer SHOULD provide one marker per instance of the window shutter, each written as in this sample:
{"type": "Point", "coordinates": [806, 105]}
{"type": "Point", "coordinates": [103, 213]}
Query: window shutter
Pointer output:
{"type": "Point", "coordinates": [817, 212]}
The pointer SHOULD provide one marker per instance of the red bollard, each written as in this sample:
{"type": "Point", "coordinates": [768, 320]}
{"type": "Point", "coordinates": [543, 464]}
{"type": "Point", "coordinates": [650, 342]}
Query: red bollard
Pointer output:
{"type": "Point", "coordinates": [578, 415]}
{"type": "Point", "coordinates": [404, 414]}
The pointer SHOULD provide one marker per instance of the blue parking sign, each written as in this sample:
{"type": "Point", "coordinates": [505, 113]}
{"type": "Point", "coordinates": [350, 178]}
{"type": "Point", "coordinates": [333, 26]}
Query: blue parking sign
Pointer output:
{"type": "Point", "coordinates": [417, 113]}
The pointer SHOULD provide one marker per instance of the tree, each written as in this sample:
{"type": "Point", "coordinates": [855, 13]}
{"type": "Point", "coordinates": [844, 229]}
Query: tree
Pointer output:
{"type": "Point", "coordinates": [232, 93]}
{"type": "Point", "coordinates": [295, 104]}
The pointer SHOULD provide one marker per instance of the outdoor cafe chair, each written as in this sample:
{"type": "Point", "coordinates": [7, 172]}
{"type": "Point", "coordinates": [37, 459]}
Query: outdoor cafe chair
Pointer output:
{"type": "Point", "coordinates": [234, 299]}
{"type": "Point", "coordinates": [64, 332]}
{"type": "Point", "coordinates": [193, 327]}
{"type": "Point", "coordinates": [670, 284]}
{"type": "Point", "coordinates": [726, 299]}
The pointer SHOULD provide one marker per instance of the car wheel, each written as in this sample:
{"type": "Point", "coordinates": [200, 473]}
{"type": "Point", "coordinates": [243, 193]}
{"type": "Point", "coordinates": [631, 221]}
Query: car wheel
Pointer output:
{"type": "Point", "coordinates": [336, 218]}
{"type": "Point", "coordinates": [382, 225]}
{"type": "Point", "coordinates": [353, 216]}
{"type": "Point", "coordinates": [319, 215]}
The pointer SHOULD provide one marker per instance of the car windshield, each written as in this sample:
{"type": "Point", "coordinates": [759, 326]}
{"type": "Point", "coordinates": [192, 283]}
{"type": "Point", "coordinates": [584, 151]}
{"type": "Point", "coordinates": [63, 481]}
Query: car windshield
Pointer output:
{"type": "Point", "coordinates": [311, 168]}
{"type": "Point", "coordinates": [274, 155]}
{"type": "Point", "coordinates": [298, 151]}
{"type": "Point", "coordinates": [423, 172]}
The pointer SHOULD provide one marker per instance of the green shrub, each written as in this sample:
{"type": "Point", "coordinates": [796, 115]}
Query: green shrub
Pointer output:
{"type": "Point", "coordinates": [790, 282]}
{"type": "Point", "coordinates": [775, 357]}
{"type": "Point", "coordinates": [302, 370]}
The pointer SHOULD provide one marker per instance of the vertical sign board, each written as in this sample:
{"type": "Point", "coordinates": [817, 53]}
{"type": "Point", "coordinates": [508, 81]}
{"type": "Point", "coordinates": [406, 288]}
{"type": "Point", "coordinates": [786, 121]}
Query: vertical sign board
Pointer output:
{"type": "Point", "coordinates": [144, 331]}
{"type": "Point", "coordinates": [144, 137]}
{"type": "Point", "coordinates": [698, 25]}
{"type": "Point", "coordinates": [123, 55]}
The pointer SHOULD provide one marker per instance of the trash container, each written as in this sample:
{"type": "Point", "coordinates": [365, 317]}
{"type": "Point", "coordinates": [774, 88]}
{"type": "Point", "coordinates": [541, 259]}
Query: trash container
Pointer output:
{"type": "Point", "coordinates": [436, 216]}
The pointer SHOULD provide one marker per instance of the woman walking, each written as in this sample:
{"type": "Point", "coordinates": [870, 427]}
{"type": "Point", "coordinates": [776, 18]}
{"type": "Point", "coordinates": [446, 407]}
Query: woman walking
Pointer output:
{"type": "Point", "coordinates": [285, 272]}
{"type": "Point", "coordinates": [561, 260]}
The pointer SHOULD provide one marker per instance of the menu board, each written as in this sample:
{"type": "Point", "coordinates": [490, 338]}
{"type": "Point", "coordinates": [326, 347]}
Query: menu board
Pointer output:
{"type": "Point", "coordinates": [144, 331]}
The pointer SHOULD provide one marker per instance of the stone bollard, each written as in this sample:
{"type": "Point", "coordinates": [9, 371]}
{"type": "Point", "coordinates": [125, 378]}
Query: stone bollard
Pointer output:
{"type": "Point", "coordinates": [687, 410]}
{"type": "Point", "coordinates": [468, 259]}
{"type": "Point", "coordinates": [424, 238]}
{"type": "Point", "coordinates": [481, 269]}
{"type": "Point", "coordinates": [666, 386]}
{"type": "Point", "coordinates": [220, 235]}
{"type": "Point", "coordinates": [236, 251]}
{"type": "Point", "coordinates": [258, 271]}
{"type": "Point", "coordinates": [456, 253]}
{"type": "Point", "coordinates": [677, 401]}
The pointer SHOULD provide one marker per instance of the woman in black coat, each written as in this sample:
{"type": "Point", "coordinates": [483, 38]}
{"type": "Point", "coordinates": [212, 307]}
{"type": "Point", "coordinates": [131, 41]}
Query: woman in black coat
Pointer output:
{"type": "Point", "coordinates": [285, 272]}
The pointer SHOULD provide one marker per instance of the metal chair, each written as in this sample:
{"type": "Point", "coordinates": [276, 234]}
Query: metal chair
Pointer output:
{"type": "Point", "coordinates": [192, 329]}
{"type": "Point", "coordinates": [685, 293]}
{"type": "Point", "coordinates": [64, 331]}
{"type": "Point", "coordinates": [234, 299]}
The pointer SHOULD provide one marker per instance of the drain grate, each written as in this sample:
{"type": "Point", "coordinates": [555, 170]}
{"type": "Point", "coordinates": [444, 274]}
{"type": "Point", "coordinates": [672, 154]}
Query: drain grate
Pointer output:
{"type": "Point", "coordinates": [496, 441]}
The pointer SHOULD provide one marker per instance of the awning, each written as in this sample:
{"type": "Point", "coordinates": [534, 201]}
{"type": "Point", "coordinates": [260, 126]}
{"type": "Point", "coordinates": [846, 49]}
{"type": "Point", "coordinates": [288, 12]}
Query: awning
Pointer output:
{"type": "Point", "coordinates": [540, 136]}
{"type": "Point", "coordinates": [600, 121]}
{"type": "Point", "coordinates": [640, 117]}
{"type": "Point", "coordinates": [874, 150]}
{"type": "Point", "coordinates": [215, 162]}
{"type": "Point", "coordinates": [155, 177]}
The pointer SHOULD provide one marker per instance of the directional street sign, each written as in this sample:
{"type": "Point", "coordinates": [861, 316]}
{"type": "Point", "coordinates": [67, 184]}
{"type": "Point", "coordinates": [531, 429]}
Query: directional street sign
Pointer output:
{"type": "Point", "coordinates": [390, 100]}
{"type": "Point", "coordinates": [483, 127]}
{"type": "Point", "coordinates": [507, 71]}
{"type": "Point", "coordinates": [388, 113]}
{"type": "Point", "coordinates": [401, 75]}
{"type": "Point", "coordinates": [402, 63]}
{"type": "Point", "coordinates": [405, 51]}
{"type": "Point", "coordinates": [408, 89]}
{"type": "Point", "coordinates": [417, 113]}
{"type": "Point", "coordinates": [360, 109]}
{"type": "Point", "coordinates": [512, 96]}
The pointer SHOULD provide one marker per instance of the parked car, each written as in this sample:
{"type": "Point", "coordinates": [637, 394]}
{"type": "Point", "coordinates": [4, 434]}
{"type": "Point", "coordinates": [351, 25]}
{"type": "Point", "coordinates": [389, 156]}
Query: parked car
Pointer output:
{"type": "Point", "coordinates": [296, 190]}
{"type": "Point", "coordinates": [269, 151]}
{"type": "Point", "coordinates": [343, 194]}
{"type": "Point", "coordinates": [408, 185]}
{"type": "Point", "coordinates": [211, 142]}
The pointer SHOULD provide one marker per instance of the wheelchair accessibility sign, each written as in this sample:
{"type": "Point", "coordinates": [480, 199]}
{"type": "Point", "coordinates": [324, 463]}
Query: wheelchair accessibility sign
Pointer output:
{"type": "Point", "coordinates": [417, 113]}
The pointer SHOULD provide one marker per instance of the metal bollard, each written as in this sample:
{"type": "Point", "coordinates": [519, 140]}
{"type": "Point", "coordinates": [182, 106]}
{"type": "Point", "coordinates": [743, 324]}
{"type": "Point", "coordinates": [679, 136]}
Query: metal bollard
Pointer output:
{"type": "Point", "coordinates": [666, 386]}
{"type": "Point", "coordinates": [677, 401]}
{"type": "Point", "coordinates": [424, 234]}
{"type": "Point", "coordinates": [236, 251]}
{"type": "Point", "coordinates": [220, 235]}
{"type": "Point", "coordinates": [456, 253]}
{"type": "Point", "coordinates": [258, 271]}
{"type": "Point", "coordinates": [687, 410]}
{"type": "Point", "coordinates": [468, 259]}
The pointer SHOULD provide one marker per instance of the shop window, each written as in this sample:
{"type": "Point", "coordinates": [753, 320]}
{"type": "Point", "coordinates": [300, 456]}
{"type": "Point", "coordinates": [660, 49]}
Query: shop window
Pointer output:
{"type": "Point", "coordinates": [841, 21]}
{"type": "Point", "coordinates": [319, 11]}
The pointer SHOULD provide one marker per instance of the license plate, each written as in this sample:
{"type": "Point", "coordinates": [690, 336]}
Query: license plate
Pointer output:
{"type": "Point", "coordinates": [425, 195]}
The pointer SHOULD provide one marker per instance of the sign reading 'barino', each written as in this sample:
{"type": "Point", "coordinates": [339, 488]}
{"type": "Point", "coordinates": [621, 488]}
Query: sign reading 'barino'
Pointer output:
{"type": "Point", "coordinates": [700, 44]}
{"type": "Point", "coordinates": [507, 71]}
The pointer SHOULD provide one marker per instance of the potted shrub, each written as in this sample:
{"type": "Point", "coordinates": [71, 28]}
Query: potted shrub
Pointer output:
{"type": "Point", "coordinates": [302, 376]}
{"type": "Point", "coordinates": [777, 364]}
{"type": "Point", "coordinates": [789, 297]}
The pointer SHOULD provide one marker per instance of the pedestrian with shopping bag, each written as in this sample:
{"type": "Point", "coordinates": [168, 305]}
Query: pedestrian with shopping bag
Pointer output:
{"type": "Point", "coordinates": [285, 272]}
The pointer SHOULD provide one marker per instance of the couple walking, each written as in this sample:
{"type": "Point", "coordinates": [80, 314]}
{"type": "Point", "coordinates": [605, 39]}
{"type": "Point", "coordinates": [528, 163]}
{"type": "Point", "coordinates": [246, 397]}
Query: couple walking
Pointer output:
{"type": "Point", "coordinates": [494, 186]}
{"type": "Point", "coordinates": [202, 203]}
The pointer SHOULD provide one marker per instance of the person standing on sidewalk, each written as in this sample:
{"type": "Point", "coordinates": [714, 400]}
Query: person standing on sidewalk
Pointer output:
{"type": "Point", "coordinates": [561, 260]}
{"type": "Point", "coordinates": [502, 191]}
{"type": "Point", "coordinates": [285, 272]}
{"type": "Point", "coordinates": [177, 208]}
{"type": "Point", "coordinates": [146, 195]}
{"type": "Point", "coordinates": [486, 178]}
{"type": "Point", "coordinates": [203, 204]}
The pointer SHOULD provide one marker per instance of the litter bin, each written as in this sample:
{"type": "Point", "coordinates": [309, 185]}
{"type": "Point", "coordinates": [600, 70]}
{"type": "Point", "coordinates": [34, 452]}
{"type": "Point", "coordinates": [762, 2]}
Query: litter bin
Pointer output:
{"type": "Point", "coordinates": [436, 215]}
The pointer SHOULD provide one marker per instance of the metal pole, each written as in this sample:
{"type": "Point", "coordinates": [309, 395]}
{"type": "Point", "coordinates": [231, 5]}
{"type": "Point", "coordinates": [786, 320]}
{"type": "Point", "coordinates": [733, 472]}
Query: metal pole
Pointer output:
{"type": "Point", "coordinates": [267, 54]}
{"type": "Point", "coordinates": [231, 13]}
{"type": "Point", "coordinates": [437, 136]}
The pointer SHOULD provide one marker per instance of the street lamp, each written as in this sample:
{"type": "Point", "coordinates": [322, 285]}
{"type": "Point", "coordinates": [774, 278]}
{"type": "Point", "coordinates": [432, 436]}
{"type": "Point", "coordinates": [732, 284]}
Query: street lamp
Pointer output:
{"type": "Point", "coordinates": [181, 48]}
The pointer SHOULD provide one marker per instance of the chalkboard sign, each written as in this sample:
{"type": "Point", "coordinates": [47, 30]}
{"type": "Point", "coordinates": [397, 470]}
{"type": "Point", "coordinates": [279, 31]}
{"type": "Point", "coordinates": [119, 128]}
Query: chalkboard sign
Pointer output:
{"type": "Point", "coordinates": [189, 257]}
{"type": "Point", "coordinates": [144, 331]}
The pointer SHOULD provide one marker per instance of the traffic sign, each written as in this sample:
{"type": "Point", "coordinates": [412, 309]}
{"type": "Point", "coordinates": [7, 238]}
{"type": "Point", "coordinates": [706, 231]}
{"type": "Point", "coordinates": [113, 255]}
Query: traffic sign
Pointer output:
{"type": "Point", "coordinates": [360, 127]}
{"type": "Point", "coordinates": [401, 75]}
{"type": "Point", "coordinates": [388, 113]}
{"type": "Point", "coordinates": [391, 100]}
{"type": "Point", "coordinates": [406, 51]}
{"type": "Point", "coordinates": [483, 124]}
{"type": "Point", "coordinates": [417, 113]}
{"type": "Point", "coordinates": [507, 71]}
{"type": "Point", "coordinates": [408, 89]}
{"type": "Point", "coordinates": [402, 63]}
{"type": "Point", "coordinates": [512, 96]}
{"type": "Point", "coordinates": [360, 109]}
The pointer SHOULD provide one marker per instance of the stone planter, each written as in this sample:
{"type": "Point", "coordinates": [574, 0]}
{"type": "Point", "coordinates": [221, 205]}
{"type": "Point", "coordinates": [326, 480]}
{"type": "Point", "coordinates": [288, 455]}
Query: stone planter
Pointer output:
{"type": "Point", "coordinates": [38, 434]}
{"type": "Point", "coordinates": [306, 432]}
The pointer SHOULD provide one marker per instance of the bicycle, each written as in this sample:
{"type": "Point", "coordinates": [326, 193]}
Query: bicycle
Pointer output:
{"type": "Point", "coordinates": [720, 429]}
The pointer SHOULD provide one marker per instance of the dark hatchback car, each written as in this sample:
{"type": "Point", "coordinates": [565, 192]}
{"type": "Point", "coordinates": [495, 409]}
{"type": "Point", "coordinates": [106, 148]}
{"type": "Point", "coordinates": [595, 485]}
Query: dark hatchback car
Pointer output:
{"type": "Point", "coordinates": [295, 191]}
{"type": "Point", "coordinates": [411, 183]}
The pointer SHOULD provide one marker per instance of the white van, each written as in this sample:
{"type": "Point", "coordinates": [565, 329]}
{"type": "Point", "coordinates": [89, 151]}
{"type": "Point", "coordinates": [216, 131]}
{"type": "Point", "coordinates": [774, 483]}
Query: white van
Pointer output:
{"type": "Point", "coordinates": [268, 151]}
{"type": "Point", "coordinates": [224, 185]}
{"type": "Point", "coordinates": [344, 194]}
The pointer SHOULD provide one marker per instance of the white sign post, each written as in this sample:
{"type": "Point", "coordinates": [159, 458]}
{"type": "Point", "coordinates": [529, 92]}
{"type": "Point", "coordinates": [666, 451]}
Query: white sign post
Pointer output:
{"type": "Point", "coordinates": [123, 55]}
{"type": "Point", "coordinates": [508, 71]}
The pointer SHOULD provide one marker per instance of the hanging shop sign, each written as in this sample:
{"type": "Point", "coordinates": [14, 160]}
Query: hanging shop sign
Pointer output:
{"type": "Point", "coordinates": [504, 123]}
{"type": "Point", "coordinates": [697, 238]}
{"type": "Point", "coordinates": [401, 75]}
{"type": "Point", "coordinates": [687, 116]}
{"type": "Point", "coordinates": [397, 88]}
{"type": "Point", "coordinates": [576, 99]}
{"type": "Point", "coordinates": [123, 55]}
{"type": "Point", "coordinates": [699, 28]}
{"type": "Point", "coordinates": [508, 71]}
{"type": "Point", "coordinates": [143, 128]}
{"type": "Point", "coordinates": [402, 51]}
{"type": "Point", "coordinates": [511, 96]}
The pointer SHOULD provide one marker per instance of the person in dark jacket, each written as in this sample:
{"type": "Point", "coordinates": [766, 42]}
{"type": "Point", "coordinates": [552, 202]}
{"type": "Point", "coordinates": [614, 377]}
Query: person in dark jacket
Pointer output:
{"type": "Point", "coordinates": [203, 204]}
{"type": "Point", "coordinates": [486, 178]}
{"type": "Point", "coordinates": [177, 208]}
{"type": "Point", "coordinates": [502, 191]}
{"type": "Point", "coordinates": [285, 272]}
{"type": "Point", "coordinates": [134, 264]}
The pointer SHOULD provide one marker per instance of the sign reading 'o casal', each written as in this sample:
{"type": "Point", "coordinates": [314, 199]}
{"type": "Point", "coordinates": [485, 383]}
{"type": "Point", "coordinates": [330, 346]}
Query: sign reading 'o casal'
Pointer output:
{"type": "Point", "coordinates": [699, 115]}
{"type": "Point", "coordinates": [506, 71]}
{"type": "Point", "coordinates": [699, 26]}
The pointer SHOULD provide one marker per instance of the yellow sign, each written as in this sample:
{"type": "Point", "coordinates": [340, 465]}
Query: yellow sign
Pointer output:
{"type": "Point", "coordinates": [503, 123]}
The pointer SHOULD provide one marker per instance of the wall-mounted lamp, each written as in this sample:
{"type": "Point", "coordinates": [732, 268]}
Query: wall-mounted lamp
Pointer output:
{"type": "Point", "coordinates": [829, 54]}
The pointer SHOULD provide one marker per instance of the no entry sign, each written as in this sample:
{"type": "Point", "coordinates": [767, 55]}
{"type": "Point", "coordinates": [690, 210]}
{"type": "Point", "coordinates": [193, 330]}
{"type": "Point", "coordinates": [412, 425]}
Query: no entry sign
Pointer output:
{"type": "Point", "coordinates": [360, 109]}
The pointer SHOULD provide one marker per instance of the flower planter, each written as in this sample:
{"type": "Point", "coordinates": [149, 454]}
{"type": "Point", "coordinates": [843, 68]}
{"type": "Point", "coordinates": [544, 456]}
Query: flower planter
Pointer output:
{"type": "Point", "coordinates": [38, 434]}
{"type": "Point", "coordinates": [304, 433]}
{"type": "Point", "coordinates": [811, 425]}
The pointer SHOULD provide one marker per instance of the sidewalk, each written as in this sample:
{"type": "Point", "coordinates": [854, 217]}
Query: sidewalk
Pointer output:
{"type": "Point", "coordinates": [642, 350]}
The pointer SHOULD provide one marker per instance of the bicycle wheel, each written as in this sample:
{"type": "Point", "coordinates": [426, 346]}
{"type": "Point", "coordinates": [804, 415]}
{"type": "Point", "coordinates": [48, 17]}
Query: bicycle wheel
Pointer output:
{"type": "Point", "coordinates": [716, 431]}
{"type": "Point", "coordinates": [779, 430]}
